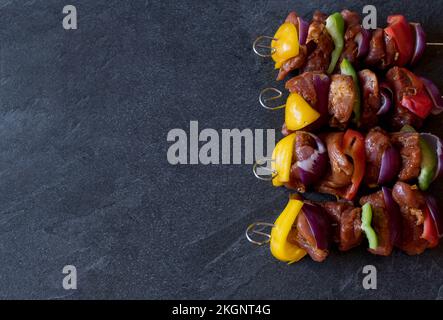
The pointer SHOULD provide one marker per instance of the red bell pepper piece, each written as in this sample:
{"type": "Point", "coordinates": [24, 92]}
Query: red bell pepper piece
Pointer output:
{"type": "Point", "coordinates": [429, 230]}
{"type": "Point", "coordinates": [399, 30]}
{"type": "Point", "coordinates": [411, 94]}
{"type": "Point", "coordinates": [420, 104]}
{"type": "Point", "coordinates": [354, 147]}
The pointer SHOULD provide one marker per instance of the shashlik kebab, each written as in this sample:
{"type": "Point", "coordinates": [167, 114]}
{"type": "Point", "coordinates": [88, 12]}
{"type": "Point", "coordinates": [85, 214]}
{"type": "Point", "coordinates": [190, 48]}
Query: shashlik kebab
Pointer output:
{"type": "Point", "coordinates": [403, 217]}
{"type": "Point", "coordinates": [361, 100]}
{"type": "Point", "coordinates": [321, 45]}
{"type": "Point", "coordinates": [340, 163]}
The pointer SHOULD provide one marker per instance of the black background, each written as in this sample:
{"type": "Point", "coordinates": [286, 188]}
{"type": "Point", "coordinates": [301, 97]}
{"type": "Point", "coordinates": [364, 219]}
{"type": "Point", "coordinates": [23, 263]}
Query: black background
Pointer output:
{"type": "Point", "coordinates": [84, 178]}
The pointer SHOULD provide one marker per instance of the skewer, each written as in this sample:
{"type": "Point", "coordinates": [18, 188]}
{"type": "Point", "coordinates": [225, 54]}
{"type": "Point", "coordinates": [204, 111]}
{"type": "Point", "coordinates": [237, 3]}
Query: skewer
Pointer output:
{"type": "Point", "coordinates": [263, 100]}
{"type": "Point", "coordinates": [260, 164]}
{"type": "Point", "coordinates": [258, 228]}
{"type": "Point", "coordinates": [257, 44]}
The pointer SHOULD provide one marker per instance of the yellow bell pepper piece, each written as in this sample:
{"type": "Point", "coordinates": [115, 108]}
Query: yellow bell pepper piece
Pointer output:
{"type": "Point", "coordinates": [286, 46]}
{"type": "Point", "coordinates": [282, 158]}
{"type": "Point", "coordinates": [281, 249]}
{"type": "Point", "coordinates": [298, 113]}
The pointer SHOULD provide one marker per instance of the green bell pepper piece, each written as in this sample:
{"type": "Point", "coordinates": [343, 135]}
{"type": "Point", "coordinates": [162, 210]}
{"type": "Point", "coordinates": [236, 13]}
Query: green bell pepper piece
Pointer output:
{"type": "Point", "coordinates": [366, 220]}
{"type": "Point", "coordinates": [335, 25]}
{"type": "Point", "coordinates": [428, 165]}
{"type": "Point", "coordinates": [347, 69]}
{"type": "Point", "coordinates": [429, 161]}
{"type": "Point", "coordinates": [407, 128]}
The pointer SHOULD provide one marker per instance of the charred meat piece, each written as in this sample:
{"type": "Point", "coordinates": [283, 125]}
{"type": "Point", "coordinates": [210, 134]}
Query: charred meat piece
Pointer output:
{"type": "Point", "coordinates": [412, 204]}
{"type": "Point", "coordinates": [321, 44]}
{"type": "Point", "coordinates": [353, 28]}
{"type": "Point", "coordinates": [403, 83]}
{"type": "Point", "coordinates": [346, 223]}
{"type": "Point", "coordinates": [304, 148]}
{"type": "Point", "coordinates": [376, 143]}
{"type": "Point", "coordinates": [342, 95]}
{"type": "Point", "coordinates": [377, 49]}
{"type": "Point", "coordinates": [339, 174]}
{"type": "Point", "coordinates": [370, 95]}
{"type": "Point", "coordinates": [408, 143]}
{"type": "Point", "coordinates": [380, 223]}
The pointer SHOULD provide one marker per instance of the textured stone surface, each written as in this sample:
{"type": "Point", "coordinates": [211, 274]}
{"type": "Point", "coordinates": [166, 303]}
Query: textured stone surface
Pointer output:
{"type": "Point", "coordinates": [84, 178]}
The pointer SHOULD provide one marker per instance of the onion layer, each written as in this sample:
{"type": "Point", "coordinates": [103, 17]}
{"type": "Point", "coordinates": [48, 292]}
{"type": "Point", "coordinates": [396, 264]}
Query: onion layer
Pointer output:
{"type": "Point", "coordinates": [387, 97]}
{"type": "Point", "coordinates": [312, 169]}
{"type": "Point", "coordinates": [394, 214]}
{"type": "Point", "coordinates": [390, 165]}
{"type": "Point", "coordinates": [303, 28]}
{"type": "Point", "coordinates": [434, 94]}
{"type": "Point", "coordinates": [436, 144]}
{"type": "Point", "coordinates": [420, 42]}
{"type": "Point", "coordinates": [435, 213]}
{"type": "Point", "coordinates": [319, 224]}
{"type": "Point", "coordinates": [363, 39]}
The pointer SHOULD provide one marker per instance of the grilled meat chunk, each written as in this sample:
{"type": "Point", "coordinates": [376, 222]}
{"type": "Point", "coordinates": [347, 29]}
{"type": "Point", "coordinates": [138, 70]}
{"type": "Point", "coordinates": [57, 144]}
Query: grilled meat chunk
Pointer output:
{"type": "Point", "coordinates": [377, 50]}
{"type": "Point", "coordinates": [408, 143]}
{"type": "Point", "coordinates": [342, 95]}
{"type": "Point", "coordinates": [376, 143]}
{"type": "Point", "coordinates": [339, 174]}
{"type": "Point", "coordinates": [353, 28]}
{"type": "Point", "coordinates": [403, 84]}
{"type": "Point", "coordinates": [303, 85]}
{"type": "Point", "coordinates": [321, 43]}
{"type": "Point", "coordinates": [293, 63]}
{"type": "Point", "coordinates": [346, 223]}
{"type": "Point", "coordinates": [305, 239]}
{"type": "Point", "coordinates": [370, 95]}
{"type": "Point", "coordinates": [412, 204]}
{"type": "Point", "coordinates": [304, 148]}
{"type": "Point", "coordinates": [381, 223]}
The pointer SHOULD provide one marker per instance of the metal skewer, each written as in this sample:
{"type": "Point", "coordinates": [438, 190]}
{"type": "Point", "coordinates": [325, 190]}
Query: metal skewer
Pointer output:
{"type": "Point", "coordinates": [261, 165]}
{"type": "Point", "coordinates": [258, 228]}
{"type": "Point", "coordinates": [263, 100]}
{"type": "Point", "coordinates": [257, 44]}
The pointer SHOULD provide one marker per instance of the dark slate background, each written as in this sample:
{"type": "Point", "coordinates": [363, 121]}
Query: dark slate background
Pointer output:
{"type": "Point", "coordinates": [84, 178]}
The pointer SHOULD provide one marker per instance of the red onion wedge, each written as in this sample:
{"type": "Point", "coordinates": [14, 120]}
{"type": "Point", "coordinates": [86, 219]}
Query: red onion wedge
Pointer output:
{"type": "Point", "coordinates": [363, 39]}
{"type": "Point", "coordinates": [303, 28]}
{"type": "Point", "coordinates": [321, 84]}
{"type": "Point", "coordinates": [436, 144]}
{"type": "Point", "coordinates": [312, 169]}
{"type": "Point", "coordinates": [394, 214]}
{"type": "Point", "coordinates": [387, 97]}
{"type": "Point", "coordinates": [390, 165]}
{"type": "Point", "coordinates": [435, 95]}
{"type": "Point", "coordinates": [319, 224]}
{"type": "Point", "coordinates": [420, 42]}
{"type": "Point", "coordinates": [435, 213]}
